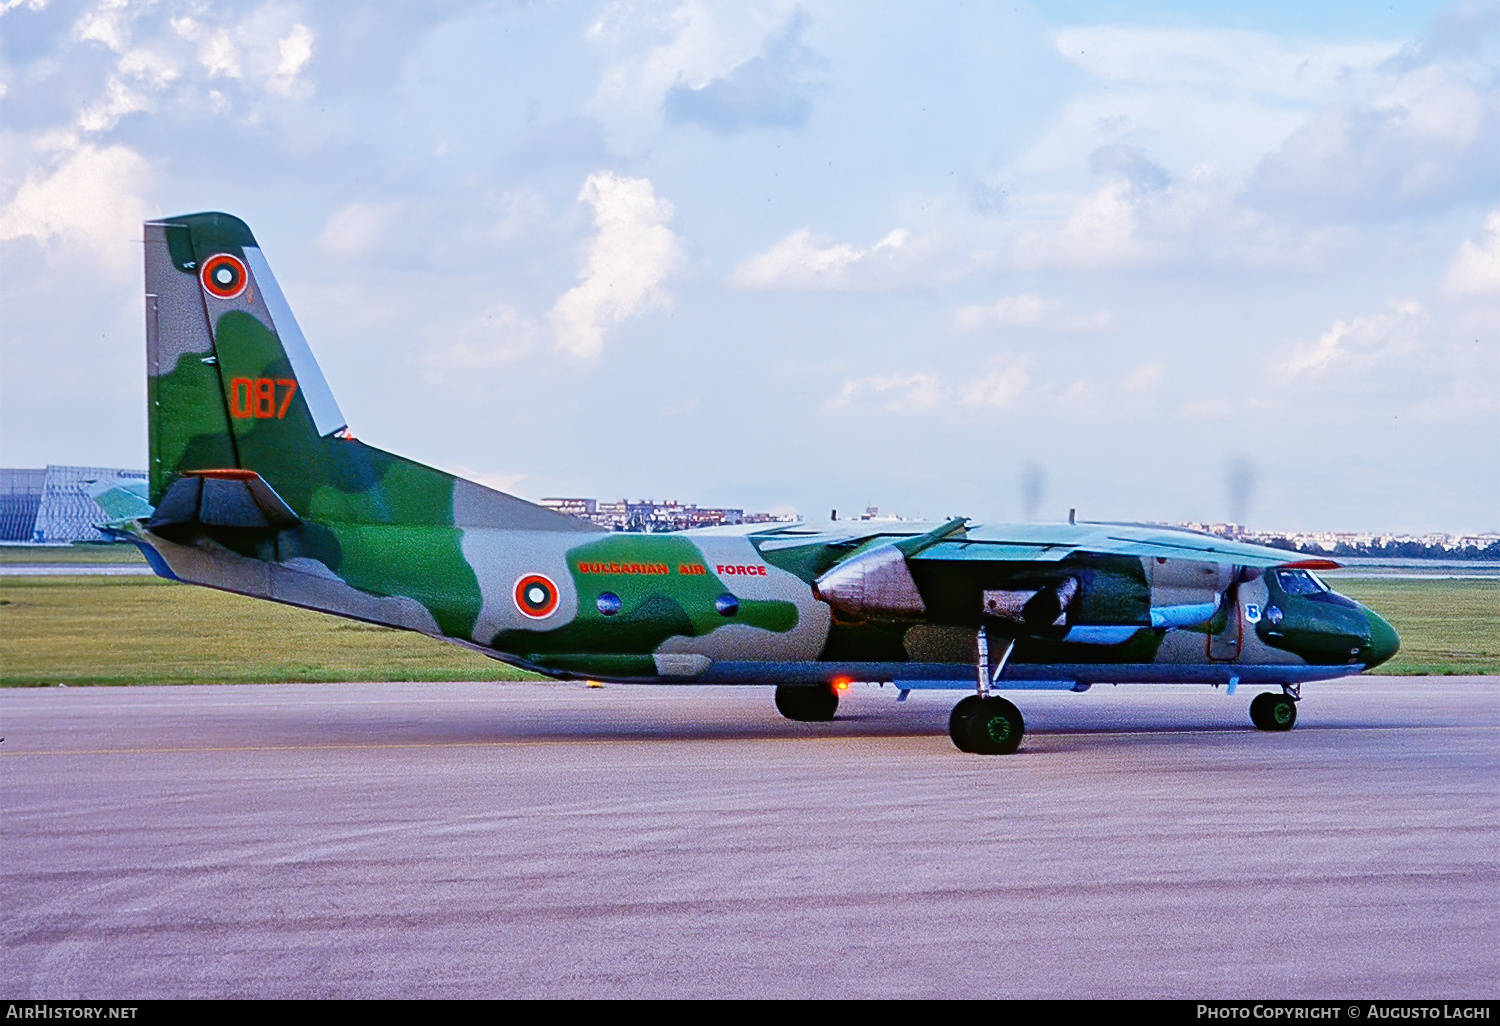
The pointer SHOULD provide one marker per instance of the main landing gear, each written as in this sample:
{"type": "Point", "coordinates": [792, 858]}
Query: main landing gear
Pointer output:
{"type": "Point", "coordinates": [982, 723]}
{"type": "Point", "coordinates": [814, 704]}
{"type": "Point", "coordinates": [1270, 711]}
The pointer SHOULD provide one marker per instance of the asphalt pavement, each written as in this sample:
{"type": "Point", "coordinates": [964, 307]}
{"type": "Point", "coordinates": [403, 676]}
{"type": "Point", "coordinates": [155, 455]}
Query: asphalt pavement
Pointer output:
{"type": "Point", "coordinates": [553, 840]}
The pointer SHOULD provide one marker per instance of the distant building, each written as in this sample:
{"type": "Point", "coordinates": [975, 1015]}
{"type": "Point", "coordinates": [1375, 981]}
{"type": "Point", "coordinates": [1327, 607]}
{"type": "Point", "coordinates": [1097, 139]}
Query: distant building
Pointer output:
{"type": "Point", "coordinates": [649, 515]}
{"type": "Point", "coordinates": [20, 497]}
{"type": "Point", "coordinates": [1356, 542]}
{"type": "Point", "coordinates": [53, 504]}
{"type": "Point", "coordinates": [585, 508]}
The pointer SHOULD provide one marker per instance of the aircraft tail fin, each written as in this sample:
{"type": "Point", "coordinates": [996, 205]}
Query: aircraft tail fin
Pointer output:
{"type": "Point", "coordinates": [234, 386]}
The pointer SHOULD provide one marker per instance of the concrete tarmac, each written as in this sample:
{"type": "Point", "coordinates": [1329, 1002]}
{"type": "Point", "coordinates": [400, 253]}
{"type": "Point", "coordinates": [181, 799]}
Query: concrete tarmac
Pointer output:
{"type": "Point", "coordinates": [551, 840]}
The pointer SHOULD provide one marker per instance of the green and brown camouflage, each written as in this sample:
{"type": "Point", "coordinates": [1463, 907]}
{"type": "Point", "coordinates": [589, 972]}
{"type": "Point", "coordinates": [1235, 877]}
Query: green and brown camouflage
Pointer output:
{"type": "Point", "coordinates": [258, 487]}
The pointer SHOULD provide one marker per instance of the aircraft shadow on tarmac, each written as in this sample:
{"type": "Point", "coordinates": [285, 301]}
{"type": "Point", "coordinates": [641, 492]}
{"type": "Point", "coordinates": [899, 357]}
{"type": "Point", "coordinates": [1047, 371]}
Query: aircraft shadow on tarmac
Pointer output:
{"type": "Point", "coordinates": [587, 726]}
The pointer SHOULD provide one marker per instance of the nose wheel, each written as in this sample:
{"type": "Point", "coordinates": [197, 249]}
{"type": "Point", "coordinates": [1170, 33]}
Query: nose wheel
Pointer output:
{"type": "Point", "coordinates": [986, 726]}
{"type": "Point", "coordinates": [982, 723]}
{"type": "Point", "coordinates": [1270, 711]}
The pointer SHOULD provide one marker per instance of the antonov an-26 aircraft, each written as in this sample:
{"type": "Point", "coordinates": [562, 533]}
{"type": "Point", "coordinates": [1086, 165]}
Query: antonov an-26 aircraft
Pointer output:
{"type": "Point", "coordinates": [257, 487]}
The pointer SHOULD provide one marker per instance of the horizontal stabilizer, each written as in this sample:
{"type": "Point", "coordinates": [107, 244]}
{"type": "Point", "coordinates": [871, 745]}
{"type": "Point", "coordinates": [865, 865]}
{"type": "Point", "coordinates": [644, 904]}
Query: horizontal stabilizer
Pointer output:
{"type": "Point", "coordinates": [122, 500]}
{"type": "Point", "coordinates": [223, 498]}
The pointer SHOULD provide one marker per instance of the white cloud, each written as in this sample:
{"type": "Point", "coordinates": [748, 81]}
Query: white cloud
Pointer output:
{"type": "Point", "coordinates": [1027, 311]}
{"type": "Point", "coordinates": [353, 231]}
{"type": "Point", "coordinates": [1476, 269]}
{"type": "Point", "coordinates": [1008, 379]}
{"type": "Point", "coordinates": [1005, 382]}
{"type": "Point", "coordinates": [295, 50]}
{"type": "Point", "coordinates": [897, 393]}
{"type": "Point", "coordinates": [1356, 344]}
{"type": "Point", "coordinates": [626, 263]}
{"type": "Point", "coordinates": [658, 46]}
{"type": "Point", "coordinates": [1218, 59]}
{"type": "Point", "coordinates": [1106, 401]}
{"type": "Point", "coordinates": [219, 56]}
{"type": "Point", "coordinates": [494, 337]}
{"type": "Point", "coordinates": [118, 101]}
{"type": "Point", "coordinates": [1426, 136]}
{"type": "Point", "coordinates": [1100, 233]}
{"type": "Point", "coordinates": [107, 23]}
{"type": "Point", "coordinates": [805, 262]}
{"type": "Point", "coordinates": [1189, 95]}
{"type": "Point", "coordinates": [269, 46]}
{"type": "Point", "coordinates": [1196, 221]}
{"type": "Point", "coordinates": [90, 200]}
{"type": "Point", "coordinates": [148, 66]}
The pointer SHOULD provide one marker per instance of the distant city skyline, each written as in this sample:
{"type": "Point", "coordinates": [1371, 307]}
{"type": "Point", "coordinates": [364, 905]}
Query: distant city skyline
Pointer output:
{"type": "Point", "coordinates": [22, 490]}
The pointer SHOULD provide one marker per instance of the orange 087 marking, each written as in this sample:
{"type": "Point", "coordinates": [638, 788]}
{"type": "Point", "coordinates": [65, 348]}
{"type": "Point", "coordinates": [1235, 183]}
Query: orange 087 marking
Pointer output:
{"type": "Point", "coordinates": [256, 397]}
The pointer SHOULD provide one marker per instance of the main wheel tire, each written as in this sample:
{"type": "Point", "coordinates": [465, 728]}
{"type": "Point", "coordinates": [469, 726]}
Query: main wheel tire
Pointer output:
{"type": "Point", "coordinates": [994, 727]}
{"type": "Point", "coordinates": [815, 704]}
{"type": "Point", "coordinates": [1270, 711]}
{"type": "Point", "coordinates": [1258, 715]}
{"type": "Point", "coordinates": [958, 727]}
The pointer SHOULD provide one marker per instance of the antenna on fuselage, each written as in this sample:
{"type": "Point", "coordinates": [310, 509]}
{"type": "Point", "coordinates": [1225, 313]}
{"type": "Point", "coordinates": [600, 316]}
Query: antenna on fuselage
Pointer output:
{"type": "Point", "coordinates": [1072, 516]}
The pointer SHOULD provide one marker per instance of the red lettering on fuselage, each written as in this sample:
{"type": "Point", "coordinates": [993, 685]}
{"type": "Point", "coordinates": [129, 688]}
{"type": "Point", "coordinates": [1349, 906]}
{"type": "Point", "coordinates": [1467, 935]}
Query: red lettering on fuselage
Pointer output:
{"type": "Point", "coordinates": [624, 568]}
{"type": "Point", "coordinates": [692, 570]}
{"type": "Point", "coordinates": [731, 571]}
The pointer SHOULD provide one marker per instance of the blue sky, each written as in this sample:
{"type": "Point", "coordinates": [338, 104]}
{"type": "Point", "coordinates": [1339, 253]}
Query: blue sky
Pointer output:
{"type": "Point", "coordinates": [1167, 262]}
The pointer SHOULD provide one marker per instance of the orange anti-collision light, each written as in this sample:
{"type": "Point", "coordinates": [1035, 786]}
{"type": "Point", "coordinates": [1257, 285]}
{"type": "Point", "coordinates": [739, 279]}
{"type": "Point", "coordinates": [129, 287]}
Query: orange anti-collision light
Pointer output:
{"type": "Point", "coordinates": [842, 683]}
{"type": "Point", "coordinates": [1310, 564]}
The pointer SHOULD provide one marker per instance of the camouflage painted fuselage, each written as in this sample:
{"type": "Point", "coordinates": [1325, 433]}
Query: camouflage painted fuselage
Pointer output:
{"type": "Point", "coordinates": [257, 488]}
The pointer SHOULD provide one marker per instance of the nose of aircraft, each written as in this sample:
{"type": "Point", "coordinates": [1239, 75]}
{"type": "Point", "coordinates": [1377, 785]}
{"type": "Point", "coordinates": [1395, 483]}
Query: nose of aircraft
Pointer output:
{"type": "Point", "coordinates": [1384, 641]}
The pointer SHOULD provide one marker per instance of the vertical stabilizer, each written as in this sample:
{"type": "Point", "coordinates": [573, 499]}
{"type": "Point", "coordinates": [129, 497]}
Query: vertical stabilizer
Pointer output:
{"type": "Point", "coordinates": [234, 386]}
{"type": "Point", "coordinates": [224, 351]}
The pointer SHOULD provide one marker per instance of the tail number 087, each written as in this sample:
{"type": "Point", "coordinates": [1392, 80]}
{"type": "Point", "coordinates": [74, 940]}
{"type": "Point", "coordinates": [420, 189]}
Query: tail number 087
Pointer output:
{"type": "Point", "coordinates": [256, 397]}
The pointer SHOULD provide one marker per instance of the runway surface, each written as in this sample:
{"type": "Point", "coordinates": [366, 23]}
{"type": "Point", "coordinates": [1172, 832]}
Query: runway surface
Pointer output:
{"type": "Point", "coordinates": [75, 570]}
{"type": "Point", "coordinates": [550, 840]}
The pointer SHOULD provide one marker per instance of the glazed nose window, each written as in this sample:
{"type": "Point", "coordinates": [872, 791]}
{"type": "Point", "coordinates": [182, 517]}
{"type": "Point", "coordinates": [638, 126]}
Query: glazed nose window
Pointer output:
{"type": "Point", "coordinates": [1299, 582]}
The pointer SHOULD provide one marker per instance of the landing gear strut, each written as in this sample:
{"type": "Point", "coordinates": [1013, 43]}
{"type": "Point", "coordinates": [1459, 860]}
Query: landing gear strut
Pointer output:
{"type": "Point", "coordinates": [1270, 711]}
{"type": "Point", "coordinates": [813, 704]}
{"type": "Point", "coordinates": [982, 723]}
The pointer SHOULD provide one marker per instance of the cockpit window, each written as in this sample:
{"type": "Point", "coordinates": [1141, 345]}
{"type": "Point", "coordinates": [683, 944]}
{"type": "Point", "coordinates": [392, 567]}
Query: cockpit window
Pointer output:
{"type": "Point", "coordinates": [1299, 582]}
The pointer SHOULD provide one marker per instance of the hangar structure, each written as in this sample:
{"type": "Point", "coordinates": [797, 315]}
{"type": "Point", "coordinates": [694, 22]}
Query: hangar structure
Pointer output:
{"type": "Point", "coordinates": [52, 504]}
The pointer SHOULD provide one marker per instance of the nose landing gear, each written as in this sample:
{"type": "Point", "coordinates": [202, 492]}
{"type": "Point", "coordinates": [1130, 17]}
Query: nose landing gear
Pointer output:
{"type": "Point", "coordinates": [1270, 711]}
{"type": "Point", "coordinates": [986, 724]}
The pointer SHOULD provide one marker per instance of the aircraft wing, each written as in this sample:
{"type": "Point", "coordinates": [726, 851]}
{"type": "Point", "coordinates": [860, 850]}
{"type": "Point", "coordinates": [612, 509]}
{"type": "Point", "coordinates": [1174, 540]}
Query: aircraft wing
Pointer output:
{"type": "Point", "coordinates": [1045, 543]}
{"type": "Point", "coordinates": [1031, 573]}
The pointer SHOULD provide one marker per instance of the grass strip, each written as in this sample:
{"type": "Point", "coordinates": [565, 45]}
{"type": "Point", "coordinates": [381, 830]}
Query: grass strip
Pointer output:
{"type": "Point", "coordinates": [1446, 626]}
{"type": "Point", "coordinates": [133, 630]}
{"type": "Point", "coordinates": [77, 553]}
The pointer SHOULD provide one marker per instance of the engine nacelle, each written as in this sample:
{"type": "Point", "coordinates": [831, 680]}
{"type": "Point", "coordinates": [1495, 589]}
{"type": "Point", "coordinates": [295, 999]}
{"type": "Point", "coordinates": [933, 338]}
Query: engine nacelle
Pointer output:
{"type": "Point", "coordinates": [876, 584]}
